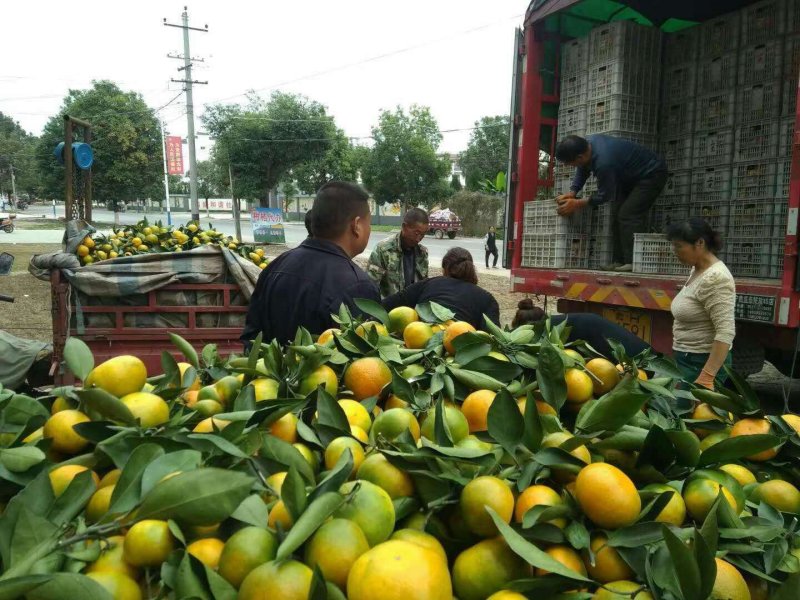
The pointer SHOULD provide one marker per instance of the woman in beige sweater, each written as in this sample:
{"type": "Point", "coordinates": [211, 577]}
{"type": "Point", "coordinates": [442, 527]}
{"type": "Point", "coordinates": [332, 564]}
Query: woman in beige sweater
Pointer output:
{"type": "Point", "coordinates": [703, 311]}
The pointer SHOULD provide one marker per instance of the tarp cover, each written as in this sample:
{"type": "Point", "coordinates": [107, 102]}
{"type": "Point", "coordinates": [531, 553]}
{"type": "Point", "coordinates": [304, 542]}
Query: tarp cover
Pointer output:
{"type": "Point", "coordinates": [18, 357]}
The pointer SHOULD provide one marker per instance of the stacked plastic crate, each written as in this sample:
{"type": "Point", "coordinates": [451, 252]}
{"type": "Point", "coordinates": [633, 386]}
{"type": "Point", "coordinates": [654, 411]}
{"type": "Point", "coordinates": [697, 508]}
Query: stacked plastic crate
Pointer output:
{"type": "Point", "coordinates": [552, 241]}
{"type": "Point", "coordinates": [757, 213]}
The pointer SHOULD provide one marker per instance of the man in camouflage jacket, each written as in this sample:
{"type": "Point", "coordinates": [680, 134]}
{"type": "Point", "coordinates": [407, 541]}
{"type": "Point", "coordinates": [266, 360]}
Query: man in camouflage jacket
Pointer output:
{"type": "Point", "coordinates": [400, 260]}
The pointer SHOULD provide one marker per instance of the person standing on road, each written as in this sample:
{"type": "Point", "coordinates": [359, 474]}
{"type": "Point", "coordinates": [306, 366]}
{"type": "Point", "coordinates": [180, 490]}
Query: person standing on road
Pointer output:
{"type": "Point", "coordinates": [400, 260]}
{"type": "Point", "coordinates": [628, 175]}
{"type": "Point", "coordinates": [490, 246]}
{"type": "Point", "coordinates": [304, 286]}
{"type": "Point", "coordinates": [457, 290]}
{"type": "Point", "coordinates": [703, 324]}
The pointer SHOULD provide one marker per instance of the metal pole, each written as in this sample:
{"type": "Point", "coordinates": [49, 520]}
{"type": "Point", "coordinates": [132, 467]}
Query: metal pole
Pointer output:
{"type": "Point", "coordinates": [13, 186]}
{"type": "Point", "coordinates": [68, 174]}
{"type": "Point", "coordinates": [166, 172]}
{"type": "Point", "coordinates": [236, 216]}
{"type": "Point", "coordinates": [187, 63]}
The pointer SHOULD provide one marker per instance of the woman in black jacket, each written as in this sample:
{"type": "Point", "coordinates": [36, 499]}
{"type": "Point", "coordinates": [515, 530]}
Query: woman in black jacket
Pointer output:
{"type": "Point", "coordinates": [457, 290]}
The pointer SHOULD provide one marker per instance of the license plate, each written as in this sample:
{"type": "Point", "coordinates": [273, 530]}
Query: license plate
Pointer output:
{"type": "Point", "coordinates": [638, 323]}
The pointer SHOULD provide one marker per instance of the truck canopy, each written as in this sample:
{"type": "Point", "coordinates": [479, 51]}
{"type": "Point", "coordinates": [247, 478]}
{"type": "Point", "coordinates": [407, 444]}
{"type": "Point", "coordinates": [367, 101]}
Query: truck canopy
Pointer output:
{"type": "Point", "coordinates": [577, 17]}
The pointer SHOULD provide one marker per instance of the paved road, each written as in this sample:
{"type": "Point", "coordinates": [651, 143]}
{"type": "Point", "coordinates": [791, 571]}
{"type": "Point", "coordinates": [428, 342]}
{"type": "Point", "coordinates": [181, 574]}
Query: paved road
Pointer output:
{"type": "Point", "coordinates": [295, 232]}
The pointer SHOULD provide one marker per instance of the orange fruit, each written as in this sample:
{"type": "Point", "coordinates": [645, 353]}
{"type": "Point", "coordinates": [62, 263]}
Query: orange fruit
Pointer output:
{"type": "Point", "coordinates": [701, 493]}
{"type": "Point", "coordinates": [456, 422]}
{"type": "Point", "coordinates": [338, 446]}
{"type": "Point", "coordinates": [284, 580]}
{"type": "Point", "coordinates": [334, 548]}
{"type": "Point", "coordinates": [59, 428]}
{"type": "Point", "coordinates": [605, 564]}
{"type": "Point", "coordinates": [395, 402]}
{"type": "Point", "coordinates": [780, 495]}
{"type": "Point", "coordinates": [754, 426]}
{"type": "Point", "coordinates": [554, 440]}
{"type": "Point", "coordinates": [420, 538]}
{"type": "Point", "coordinates": [477, 495]}
{"type": "Point", "coordinates": [111, 558]}
{"type": "Point", "coordinates": [356, 414]}
{"type": "Point", "coordinates": [741, 474]}
{"type": "Point", "coordinates": [393, 422]}
{"type": "Point", "coordinates": [207, 551]}
{"type": "Point", "coordinates": [208, 425]}
{"type": "Point", "coordinates": [150, 410]}
{"type": "Point", "coordinates": [99, 503]}
{"type": "Point", "coordinates": [183, 367]}
{"type": "Point", "coordinates": [370, 508]}
{"type": "Point", "coordinates": [729, 583]}
{"type": "Point", "coordinates": [417, 334]}
{"type": "Point", "coordinates": [486, 568]}
{"type": "Point", "coordinates": [265, 389]}
{"type": "Point", "coordinates": [606, 374]}
{"type": "Point", "coordinates": [476, 408]}
{"type": "Point", "coordinates": [579, 386]}
{"type": "Point", "coordinates": [118, 585]}
{"type": "Point", "coordinates": [148, 543]}
{"type": "Point", "coordinates": [61, 403]}
{"type": "Point", "coordinates": [110, 478]}
{"type": "Point", "coordinates": [639, 372]}
{"type": "Point", "coordinates": [364, 329]}
{"type": "Point", "coordinates": [607, 496]}
{"type": "Point", "coordinates": [358, 433]}
{"type": "Point", "coordinates": [400, 317]}
{"type": "Point", "coordinates": [285, 428]}
{"type": "Point", "coordinates": [244, 551]}
{"type": "Point", "coordinates": [378, 470]}
{"type": "Point", "coordinates": [279, 514]}
{"type": "Point", "coordinates": [62, 476]}
{"type": "Point", "coordinates": [119, 376]}
{"type": "Point", "coordinates": [622, 590]}
{"type": "Point", "coordinates": [327, 335]}
{"type": "Point", "coordinates": [675, 510]}
{"type": "Point", "coordinates": [366, 377]}
{"type": "Point", "coordinates": [705, 412]}
{"type": "Point", "coordinates": [537, 495]}
{"type": "Point", "coordinates": [399, 570]}
{"type": "Point", "coordinates": [507, 595]}
{"type": "Point", "coordinates": [542, 407]}
{"type": "Point", "coordinates": [190, 398]}
{"type": "Point", "coordinates": [567, 557]}
{"type": "Point", "coordinates": [452, 332]}
{"type": "Point", "coordinates": [325, 376]}
{"type": "Point", "coordinates": [793, 421]}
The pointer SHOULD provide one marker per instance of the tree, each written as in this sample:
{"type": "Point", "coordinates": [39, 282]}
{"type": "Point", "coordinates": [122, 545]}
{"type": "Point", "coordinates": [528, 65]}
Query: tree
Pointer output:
{"type": "Point", "coordinates": [487, 153]}
{"type": "Point", "coordinates": [17, 148]}
{"type": "Point", "coordinates": [478, 211]}
{"type": "Point", "coordinates": [455, 183]}
{"type": "Point", "coordinates": [127, 144]}
{"type": "Point", "coordinates": [212, 181]}
{"type": "Point", "coordinates": [264, 140]}
{"type": "Point", "coordinates": [340, 162]}
{"type": "Point", "coordinates": [403, 164]}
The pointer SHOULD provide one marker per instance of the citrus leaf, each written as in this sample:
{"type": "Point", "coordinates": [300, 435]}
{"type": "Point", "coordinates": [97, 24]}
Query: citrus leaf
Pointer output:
{"type": "Point", "coordinates": [505, 423]}
{"type": "Point", "coordinates": [470, 346]}
{"type": "Point", "coordinates": [200, 497]}
{"type": "Point", "coordinates": [738, 447]}
{"type": "Point", "coordinates": [20, 409]}
{"type": "Point", "coordinates": [707, 566]}
{"type": "Point", "coordinates": [19, 460]}
{"type": "Point", "coordinates": [686, 568]}
{"type": "Point", "coordinates": [181, 460]}
{"type": "Point", "coordinates": [78, 357]}
{"type": "Point", "coordinates": [188, 351]}
{"type": "Point", "coordinates": [30, 531]}
{"type": "Point", "coordinates": [18, 587]}
{"type": "Point", "coordinates": [475, 380]}
{"type": "Point", "coordinates": [718, 400]}
{"type": "Point", "coordinates": [373, 309]}
{"type": "Point", "coordinates": [531, 553]}
{"type": "Point", "coordinates": [69, 585]}
{"type": "Point", "coordinates": [293, 493]}
{"type": "Point", "coordinates": [106, 405]}
{"type": "Point", "coordinates": [315, 515]}
{"type": "Point", "coordinates": [252, 511]}
{"type": "Point", "coordinates": [128, 490]}
{"type": "Point", "coordinates": [318, 589]}
{"type": "Point", "coordinates": [336, 476]}
{"type": "Point", "coordinates": [550, 376]}
{"type": "Point", "coordinates": [220, 442]}
{"type": "Point", "coordinates": [188, 580]}
{"type": "Point", "coordinates": [331, 413]}
{"type": "Point", "coordinates": [501, 370]}
{"type": "Point", "coordinates": [72, 500]}
{"type": "Point", "coordinates": [613, 410]}
{"type": "Point", "coordinates": [281, 456]}
{"type": "Point", "coordinates": [441, 432]}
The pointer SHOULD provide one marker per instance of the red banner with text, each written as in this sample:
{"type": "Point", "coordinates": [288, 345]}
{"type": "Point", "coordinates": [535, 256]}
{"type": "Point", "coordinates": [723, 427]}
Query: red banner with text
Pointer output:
{"type": "Point", "coordinates": [174, 155]}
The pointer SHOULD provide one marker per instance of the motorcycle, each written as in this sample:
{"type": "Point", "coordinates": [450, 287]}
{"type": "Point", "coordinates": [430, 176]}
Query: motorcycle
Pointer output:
{"type": "Point", "coordinates": [7, 224]}
{"type": "Point", "coordinates": [22, 204]}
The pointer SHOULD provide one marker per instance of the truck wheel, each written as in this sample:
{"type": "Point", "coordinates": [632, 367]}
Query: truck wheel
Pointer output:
{"type": "Point", "coordinates": [451, 235]}
{"type": "Point", "coordinates": [748, 357]}
{"type": "Point", "coordinates": [9, 228]}
{"type": "Point", "coordinates": [438, 234]}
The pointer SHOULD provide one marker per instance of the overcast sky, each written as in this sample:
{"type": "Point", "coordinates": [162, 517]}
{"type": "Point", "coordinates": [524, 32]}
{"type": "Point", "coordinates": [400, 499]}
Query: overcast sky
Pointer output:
{"type": "Point", "coordinates": [452, 55]}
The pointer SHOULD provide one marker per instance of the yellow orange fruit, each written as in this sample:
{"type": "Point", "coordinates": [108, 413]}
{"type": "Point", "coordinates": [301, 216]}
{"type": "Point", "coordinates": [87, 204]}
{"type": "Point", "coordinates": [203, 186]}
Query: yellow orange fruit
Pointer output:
{"type": "Point", "coordinates": [366, 377]}
{"type": "Point", "coordinates": [208, 425]}
{"type": "Point", "coordinates": [607, 496]}
{"type": "Point", "coordinates": [60, 428]}
{"type": "Point", "coordinates": [244, 551]}
{"type": "Point", "coordinates": [264, 389]}
{"type": "Point", "coordinates": [452, 332]}
{"type": "Point", "coordinates": [579, 386]}
{"type": "Point", "coordinates": [476, 408]}
{"type": "Point", "coordinates": [99, 503]}
{"type": "Point", "coordinates": [482, 492]}
{"type": "Point", "coordinates": [393, 422]}
{"type": "Point", "coordinates": [378, 470]}
{"type": "Point", "coordinates": [119, 376]}
{"type": "Point", "coordinates": [567, 557]}
{"type": "Point", "coordinates": [284, 580]}
{"type": "Point", "coordinates": [538, 495]}
{"type": "Point", "coordinates": [364, 329]}
{"type": "Point", "coordinates": [793, 421]}
{"type": "Point", "coordinates": [118, 585]}
{"type": "Point", "coordinates": [279, 515]}
{"type": "Point", "coordinates": [148, 543]}
{"type": "Point", "coordinates": [62, 476]}
{"type": "Point", "coordinates": [605, 564]}
{"type": "Point", "coordinates": [705, 412]}
{"type": "Point", "coordinates": [370, 508]}
{"type": "Point", "coordinates": [729, 583]}
{"type": "Point", "coordinates": [486, 568]}
{"type": "Point", "coordinates": [110, 478]}
{"type": "Point", "coordinates": [207, 551]}
{"type": "Point", "coordinates": [285, 428]}
{"type": "Point", "coordinates": [334, 548]}
{"type": "Point", "coordinates": [675, 510]}
{"type": "Point", "coordinates": [327, 335]}
{"type": "Point", "coordinates": [754, 426]}
{"type": "Point", "coordinates": [780, 495]}
{"type": "Point", "coordinates": [183, 367]}
{"type": "Point", "coordinates": [150, 410]}
{"type": "Point", "coordinates": [417, 334]}
{"type": "Point", "coordinates": [420, 538]}
{"type": "Point", "coordinates": [338, 446]}
{"type": "Point", "coordinates": [400, 317]}
{"type": "Point", "coordinates": [324, 376]}
{"type": "Point", "coordinates": [700, 494]}
{"type": "Point", "coordinates": [111, 558]}
{"type": "Point", "coordinates": [606, 375]}
{"type": "Point", "coordinates": [356, 414]}
{"type": "Point", "coordinates": [741, 474]}
{"type": "Point", "coordinates": [622, 590]}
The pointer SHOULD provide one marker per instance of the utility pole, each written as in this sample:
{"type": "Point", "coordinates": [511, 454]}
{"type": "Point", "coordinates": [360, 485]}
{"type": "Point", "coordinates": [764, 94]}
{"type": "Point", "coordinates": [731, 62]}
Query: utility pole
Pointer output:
{"type": "Point", "coordinates": [13, 186]}
{"type": "Point", "coordinates": [189, 82]}
{"type": "Point", "coordinates": [166, 172]}
{"type": "Point", "coordinates": [235, 206]}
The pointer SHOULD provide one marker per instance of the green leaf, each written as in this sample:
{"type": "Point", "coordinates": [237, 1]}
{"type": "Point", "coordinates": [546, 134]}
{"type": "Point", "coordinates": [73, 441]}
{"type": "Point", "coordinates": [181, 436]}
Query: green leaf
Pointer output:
{"type": "Point", "coordinates": [293, 493]}
{"type": "Point", "coordinates": [441, 432]}
{"type": "Point", "coordinates": [189, 581]}
{"type": "Point", "coordinates": [470, 346]}
{"type": "Point", "coordinates": [613, 410]}
{"type": "Point", "coordinates": [533, 429]}
{"type": "Point", "coordinates": [737, 447]}
{"type": "Point", "coordinates": [748, 396]}
{"type": "Point", "coordinates": [318, 590]}
{"type": "Point", "coordinates": [160, 467]}
{"type": "Point", "coordinates": [501, 370]}
{"type": "Point", "coordinates": [73, 500]}
{"type": "Point", "coordinates": [707, 566]}
{"type": "Point", "coordinates": [172, 374]}
{"type": "Point", "coordinates": [69, 585]}
{"type": "Point", "coordinates": [320, 509]}
{"type": "Point", "coordinates": [531, 553]}
{"type": "Point", "coordinates": [475, 380]}
{"type": "Point", "coordinates": [402, 388]}
{"type": "Point", "coordinates": [331, 413]}
{"type": "Point", "coordinates": [636, 536]}
{"type": "Point", "coordinates": [252, 511]}
{"type": "Point", "coordinates": [442, 313]}
{"type": "Point", "coordinates": [200, 497]}
{"type": "Point", "coordinates": [106, 405]}
{"type": "Point", "coordinates": [686, 568]}
{"type": "Point", "coordinates": [78, 357]}
{"type": "Point", "coordinates": [336, 476]}
{"type": "Point", "coordinates": [373, 309]}
{"type": "Point", "coordinates": [577, 535]}
{"type": "Point", "coordinates": [188, 351]}
{"type": "Point", "coordinates": [550, 376]}
{"type": "Point", "coordinates": [687, 447]}
{"type": "Point", "coordinates": [559, 458]}
{"type": "Point", "coordinates": [505, 423]}
{"type": "Point", "coordinates": [220, 442]}
{"type": "Point", "coordinates": [710, 528]}
{"type": "Point", "coordinates": [128, 490]}
{"type": "Point", "coordinates": [282, 456]}
{"type": "Point", "coordinates": [718, 400]}
{"type": "Point", "coordinates": [19, 460]}
{"type": "Point", "coordinates": [789, 589]}
{"type": "Point", "coordinates": [30, 531]}
{"type": "Point", "coordinates": [21, 409]}
{"type": "Point", "coordinates": [18, 587]}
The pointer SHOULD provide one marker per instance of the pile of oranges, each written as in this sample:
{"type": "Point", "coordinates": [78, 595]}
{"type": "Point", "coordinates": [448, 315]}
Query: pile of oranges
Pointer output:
{"type": "Point", "coordinates": [406, 458]}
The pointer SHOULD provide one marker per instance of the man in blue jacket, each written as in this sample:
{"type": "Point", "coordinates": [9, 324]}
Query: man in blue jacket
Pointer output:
{"type": "Point", "coordinates": [628, 175]}
{"type": "Point", "coordinates": [304, 286]}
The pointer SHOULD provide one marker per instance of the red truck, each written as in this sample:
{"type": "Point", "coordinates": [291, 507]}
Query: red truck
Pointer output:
{"type": "Point", "coordinates": [768, 309]}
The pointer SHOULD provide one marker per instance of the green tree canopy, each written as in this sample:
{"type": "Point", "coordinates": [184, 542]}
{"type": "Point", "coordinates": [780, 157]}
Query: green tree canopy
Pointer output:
{"type": "Point", "coordinates": [128, 162]}
{"type": "Point", "coordinates": [403, 165]}
{"type": "Point", "coordinates": [487, 153]}
{"type": "Point", "coordinates": [265, 139]}
{"type": "Point", "coordinates": [340, 162]}
{"type": "Point", "coordinates": [17, 149]}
